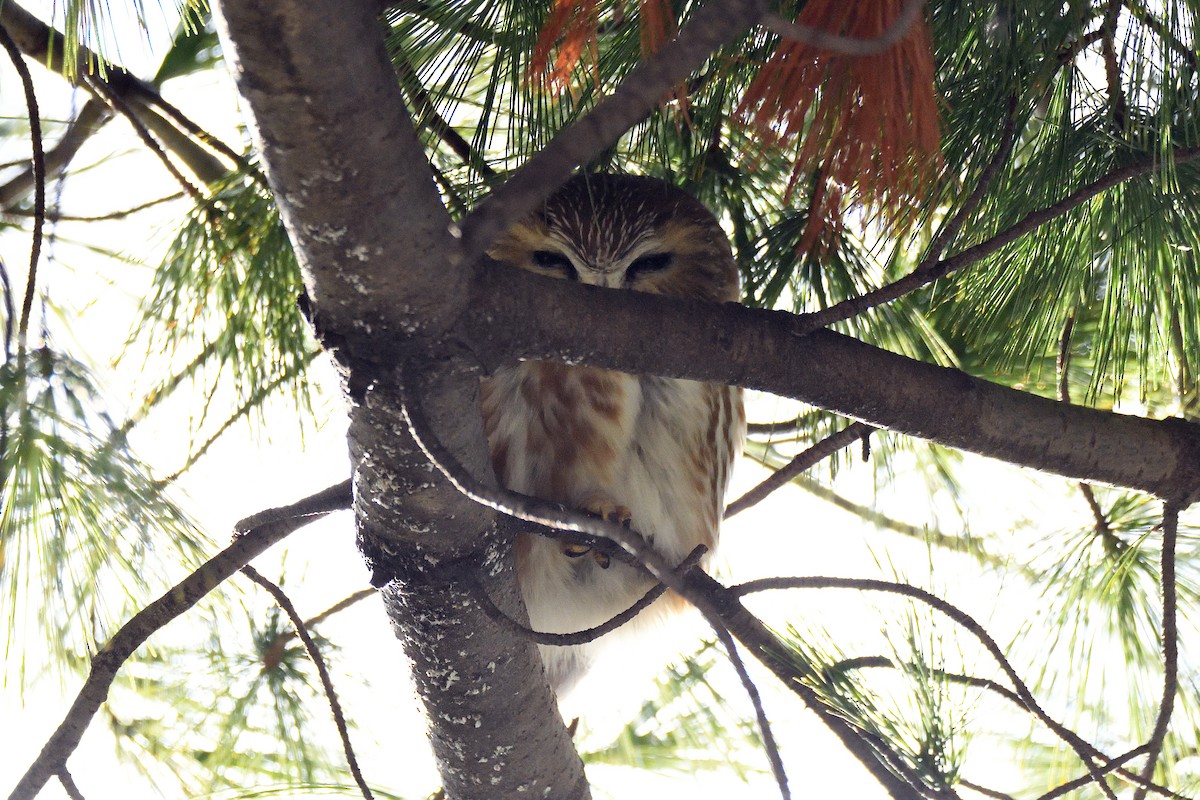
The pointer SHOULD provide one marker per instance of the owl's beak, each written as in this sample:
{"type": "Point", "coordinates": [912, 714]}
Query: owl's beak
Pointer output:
{"type": "Point", "coordinates": [606, 275]}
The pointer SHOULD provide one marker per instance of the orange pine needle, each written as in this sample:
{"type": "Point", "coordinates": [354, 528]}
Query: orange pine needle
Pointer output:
{"type": "Point", "coordinates": [866, 123]}
{"type": "Point", "coordinates": [572, 28]}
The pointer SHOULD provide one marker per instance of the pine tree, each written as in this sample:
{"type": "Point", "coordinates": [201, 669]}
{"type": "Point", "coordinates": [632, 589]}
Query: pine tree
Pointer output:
{"type": "Point", "coordinates": [964, 229]}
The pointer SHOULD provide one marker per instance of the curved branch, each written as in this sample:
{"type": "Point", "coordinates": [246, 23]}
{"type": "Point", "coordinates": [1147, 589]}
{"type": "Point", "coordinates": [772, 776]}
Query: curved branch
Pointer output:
{"type": "Point", "coordinates": [1170, 647]}
{"type": "Point", "coordinates": [1082, 748]}
{"type": "Point", "coordinates": [587, 634]}
{"type": "Point", "coordinates": [253, 535]}
{"type": "Point", "coordinates": [39, 185]}
{"type": "Point", "coordinates": [310, 647]}
{"type": "Point", "coordinates": [847, 45]}
{"type": "Point", "coordinates": [802, 462]}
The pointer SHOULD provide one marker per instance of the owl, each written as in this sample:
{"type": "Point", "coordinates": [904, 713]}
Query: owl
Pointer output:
{"type": "Point", "coordinates": [653, 453]}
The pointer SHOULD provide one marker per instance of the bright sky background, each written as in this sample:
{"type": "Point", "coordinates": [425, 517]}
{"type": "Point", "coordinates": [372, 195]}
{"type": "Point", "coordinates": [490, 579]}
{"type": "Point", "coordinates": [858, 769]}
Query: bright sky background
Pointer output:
{"type": "Point", "coordinates": [791, 534]}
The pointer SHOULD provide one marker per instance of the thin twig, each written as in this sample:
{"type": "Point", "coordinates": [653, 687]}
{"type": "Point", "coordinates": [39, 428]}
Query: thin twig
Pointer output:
{"type": "Point", "coordinates": [189, 126]}
{"type": "Point", "coordinates": [39, 183]}
{"type": "Point", "coordinates": [1170, 645]}
{"type": "Point", "coordinates": [1112, 70]}
{"type": "Point", "coordinates": [847, 45]}
{"type": "Point", "coordinates": [1112, 765]}
{"type": "Point", "coordinates": [256, 399]}
{"type": "Point", "coordinates": [925, 274]}
{"type": "Point", "coordinates": [280, 641]}
{"type": "Point", "coordinates": [54, 216]}
{"type": "Point", "coordinates": [760, 713]}
{"type": "Point", "coordinates": [9, 315]}
{"type": "Point", "coordinates": [1008, 139]}
{"type": "Point", "coordinates": [876, 755]}
{"type": "Point", "coordinates": [68, 784]}
{"type": "Point", "coordinates": [1082, 748]}
{"type": "Point", "coordinates": [772, 428]}
{"type": "Point", "coordinates": [93, 116]}
{"type": "Point", "coordinates": [945, 237]}
{"type": "Point", "coordinates": [883, 662]}
{"type": "Point", "coordinates": [1063, 365]}
{"type": "Point", "coordinates": [587, 634]}
{"type": "Point", "coordinates": [254, 534]}
{"type": "Point", "coordinates": [335, 706]}
{"type": "Point", "coordinates": [122, 107]}
{"type": "Point", "coordinates": [813, 455]}
{"type": "Point", "coordinates": [428, 116]}
{"type": "Point", "coordinates": [1109, 765]}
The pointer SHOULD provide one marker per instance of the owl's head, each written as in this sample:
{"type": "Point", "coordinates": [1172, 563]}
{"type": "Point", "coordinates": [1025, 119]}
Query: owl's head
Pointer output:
{"type": "Point", "coordinates": [628, 232]}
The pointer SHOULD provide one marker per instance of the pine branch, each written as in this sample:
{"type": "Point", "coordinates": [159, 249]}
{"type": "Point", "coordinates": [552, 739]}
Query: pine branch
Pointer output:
{"type": "Point", "coordinates": [254, 535]}
{"type": "Point", "coordinates": [1082, 748]}
{"type": "Point", "coordinates": [45, 45]}
{"type": "Point", "coordinates": [1035, 219]}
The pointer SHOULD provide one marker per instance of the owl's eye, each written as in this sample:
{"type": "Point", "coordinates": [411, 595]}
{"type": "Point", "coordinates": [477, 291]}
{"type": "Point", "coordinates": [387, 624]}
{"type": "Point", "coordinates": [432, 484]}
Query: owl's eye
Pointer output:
{"type": "Point", "coordinates": [654, 262]}
{"type": "Point", "coordinates": [554, 262]}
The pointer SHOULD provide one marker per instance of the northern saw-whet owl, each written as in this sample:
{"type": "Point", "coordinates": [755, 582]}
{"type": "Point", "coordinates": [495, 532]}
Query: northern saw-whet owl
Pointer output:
{"type": "Point", "coordinates": [653, 452]}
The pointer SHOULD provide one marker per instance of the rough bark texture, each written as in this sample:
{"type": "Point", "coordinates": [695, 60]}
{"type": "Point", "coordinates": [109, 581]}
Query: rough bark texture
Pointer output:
{"type": "Point", "coordinates": [357, 196]}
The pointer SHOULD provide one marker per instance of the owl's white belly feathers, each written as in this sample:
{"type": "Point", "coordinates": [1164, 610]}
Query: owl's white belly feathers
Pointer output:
{"type": "Point", "coordinates": [595, 439]}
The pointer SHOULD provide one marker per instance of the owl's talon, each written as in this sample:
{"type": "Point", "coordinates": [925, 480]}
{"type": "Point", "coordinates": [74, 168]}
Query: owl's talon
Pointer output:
{"type": "Point", "coordinates": [575, 550]}
{"type": "Point", "coordinates": [604, 508]}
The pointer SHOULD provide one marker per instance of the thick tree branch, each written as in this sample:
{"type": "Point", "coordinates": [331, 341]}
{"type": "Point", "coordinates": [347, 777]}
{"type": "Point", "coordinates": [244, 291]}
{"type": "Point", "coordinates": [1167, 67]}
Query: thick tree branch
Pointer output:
{"type": "Point", "coordinates": [372, 239]}
{"type": "Point", "coordinates": [513, 314]}
{"type": "Point", "coordinates": [255, 534]}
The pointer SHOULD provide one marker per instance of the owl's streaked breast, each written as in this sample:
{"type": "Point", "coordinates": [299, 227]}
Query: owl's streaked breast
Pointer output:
{"type": "Point", "coordinates": [659, 448]}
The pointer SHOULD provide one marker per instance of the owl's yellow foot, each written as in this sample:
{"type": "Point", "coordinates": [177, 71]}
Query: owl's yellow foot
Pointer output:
{"type": "Point", "coordinates": [604, 508]}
